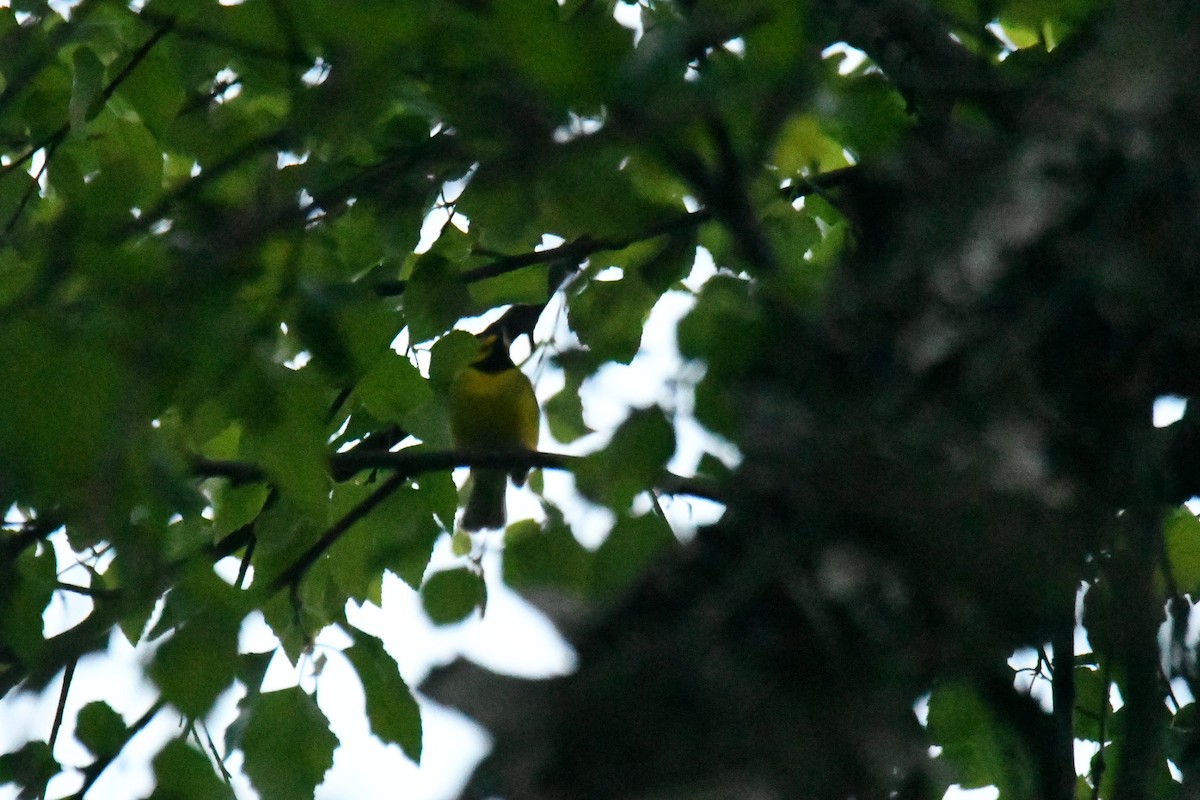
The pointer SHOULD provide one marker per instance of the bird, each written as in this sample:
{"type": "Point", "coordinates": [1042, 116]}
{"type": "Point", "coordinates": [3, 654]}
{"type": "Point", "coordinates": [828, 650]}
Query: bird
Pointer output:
{"type": "Point", "coordinates": [492, 408]}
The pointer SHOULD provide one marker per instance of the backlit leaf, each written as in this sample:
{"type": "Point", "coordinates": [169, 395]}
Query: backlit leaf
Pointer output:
{"type": "Point", "coordinates": [632, 462]}
{"type": "Point", "coordinates": [100, 729]}
{"type": "Point", "coordinates": [182, 772]}
{"type": "Point", "coordinates": [452, 595]}
{"type": "Point", "coordinates": [287, 744]}
{"type": "Point", "coordinates": [391, 708]}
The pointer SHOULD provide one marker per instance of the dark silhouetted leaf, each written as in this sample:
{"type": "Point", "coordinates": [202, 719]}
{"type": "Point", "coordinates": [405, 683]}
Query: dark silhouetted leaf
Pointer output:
{"type": "Point", "coordinates": [391, 708]}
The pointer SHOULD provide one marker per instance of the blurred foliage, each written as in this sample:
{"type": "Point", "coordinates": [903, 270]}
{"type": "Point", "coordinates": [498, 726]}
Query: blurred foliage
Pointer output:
{"type": "Point", "coordinates": [953, 263]}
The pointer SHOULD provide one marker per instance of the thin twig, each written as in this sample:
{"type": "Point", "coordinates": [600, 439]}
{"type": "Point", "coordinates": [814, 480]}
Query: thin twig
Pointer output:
{"type": "Point", "coordinates": [87, 591]}
{"type": "Point", "coordinates": [68, 675]}
{"type": "Point", "coordinates": [59, 712]}
{"type": "Point", "coordinates": [212, 748]}
{"type": "Point", "coordinates": [244, 567]}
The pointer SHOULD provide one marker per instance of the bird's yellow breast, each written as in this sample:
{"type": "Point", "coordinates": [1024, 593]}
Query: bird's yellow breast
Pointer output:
{"type": "Point", "coordinates": [494, 411]}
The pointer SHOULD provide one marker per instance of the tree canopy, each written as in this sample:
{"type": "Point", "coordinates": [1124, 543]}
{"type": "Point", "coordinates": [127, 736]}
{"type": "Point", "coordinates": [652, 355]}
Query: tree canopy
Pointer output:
{"type": "Point", "coordinates": [955, 250]}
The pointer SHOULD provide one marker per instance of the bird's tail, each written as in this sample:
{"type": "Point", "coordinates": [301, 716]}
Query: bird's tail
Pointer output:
{"type": "Point", "coordinates": [486, 505]}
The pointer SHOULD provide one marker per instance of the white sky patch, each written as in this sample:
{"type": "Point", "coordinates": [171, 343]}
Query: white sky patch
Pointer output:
{"type": "Point", "coordinates": [577, 127]}
{"type": "Point", "coordinates": [997, 30]}
{"type": "Point", "coordinates": [227, 84]}
{"type": "Point", "coordinates": [444, 214]}
{"type": "Point", "coordinates": [317, 74]}
{"type": "Point", "coordinates": [63, 7]}
{"type": "Point", "coordinates": [956, 792]}
{"type": "Point", "coordinates": [37, 168]}
{"type": "Point", "coordinates": [286, 158]}
{"type": "Point", "coordinates": [1168, 410]}
{"type": "Point", "coordinates": [852, 57]}
{"type": "Point", "coordinates": [629, 15]}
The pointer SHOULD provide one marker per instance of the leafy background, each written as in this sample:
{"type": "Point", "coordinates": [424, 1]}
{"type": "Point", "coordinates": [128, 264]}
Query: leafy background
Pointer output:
{"type": "Point", "coordinates": [936, 262]}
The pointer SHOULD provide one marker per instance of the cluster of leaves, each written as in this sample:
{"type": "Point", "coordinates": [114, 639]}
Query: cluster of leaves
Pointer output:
{"type": "Point", "coordinates": [210, 217]}
{"type": "Point", "coordinates": [211, 247]}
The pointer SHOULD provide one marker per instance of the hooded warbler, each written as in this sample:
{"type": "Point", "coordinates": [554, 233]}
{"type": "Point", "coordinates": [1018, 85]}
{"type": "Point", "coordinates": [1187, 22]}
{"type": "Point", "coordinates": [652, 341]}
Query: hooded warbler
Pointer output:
{"type": "Point", "coordinates": [492, 408]}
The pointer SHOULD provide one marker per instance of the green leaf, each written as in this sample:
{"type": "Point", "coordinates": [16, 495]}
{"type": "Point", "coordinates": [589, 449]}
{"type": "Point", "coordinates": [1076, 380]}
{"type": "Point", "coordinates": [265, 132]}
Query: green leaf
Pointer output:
{"type": "Point", "coordinates": [235, 506]}
{"type": "Point", "coordinates": [632, 462]}
{"type": "Point", "coordinates": [1182, 539]}
{"type": "Point", "coordinates": [283, 531]}
{"type": "Point", "coordinates": [802, 146]}
{"type": "Point", "coordinates": [197, 663]}
{"type": "Point", "coordinates": [448, 355]}
{"type": "Point", "coordinates": [393, 388]}
{"type": "Point", "coordinates": [722, 328]}
{"type": "Point", "coordinates": [24, 597]}
{"type": "Point", "coordinates": [55, 447]}
{"type": "Point", "coordinates": [536, 557]}
{"type": "Point", "coordinates": [1158, 783]}
{"type": "Point", "coordinates": [200, 659]}
{"type": "Point", "coordinates": [525, 285]}
{"type": "Point", "coordinates": [982, 751]}
{"type": "Point", "coordinates": [16, 187]}
{"type": "Point", "coordinates": [16, 273]}
{"type": "Point", "coordinates": [391, 708]}
{"type": "Point", "coordinates": [435, 298]}
{"type": "Point", "coordinates": [154, 89]}
{"type": "Point", "coordinates": [288, 440]}
{"type": "Point", "coordinates": [564, 411]}
{"type": "Point", "coordinates": [608, 316]}
{"type": "Point", "coordinates": [452, 595]}
{"type": "Point", "coordinates": [31, 768]}
{"type": "Point", "coordinates": [100, 729]}
{"type": "Point", "coordinates": [498, 223]}
{"type": "Point", "coordinates": [669, 262]}
{"type": "Point", "coordinates": [631, 546]}
{"type": "Point", "coordinates": [397, 535]}
{"type": "Point", "coordinates": [182, 772]}
{"type": "Point", "coordinates": [86, 85]}
{"type": "Point", "coordinates": [130, 167]}
{"type": "Point", "coordinates": [287, 744]}
{"type": "Point", "coordinates": [1091, 702]}
{"type": "Point", "coordinates": [793, 233]}
{"type": "Point", "coordinates": [868, 115]}
{"type": "Point", "coordinates": [252, 668]}
{"type": "Point", "coordinates": [461, 543]}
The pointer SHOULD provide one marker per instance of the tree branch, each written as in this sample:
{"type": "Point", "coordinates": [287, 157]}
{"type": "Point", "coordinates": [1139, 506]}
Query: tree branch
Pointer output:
{"type": "Point", "coordinates": [577, 250]}
{"type": "Point", "coordinates": [413, 462]}
{"type": "Point", "coordinates": [574, 251]}
{"type": "Point", "coordinates": [404, 464]}
{"type": "Point", "coordinates": [291, 576]}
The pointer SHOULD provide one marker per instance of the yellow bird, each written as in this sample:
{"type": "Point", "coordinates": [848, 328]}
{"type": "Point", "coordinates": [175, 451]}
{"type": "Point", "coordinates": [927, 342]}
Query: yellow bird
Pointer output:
{"type": "Point", "coordinates": [492, 408]}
